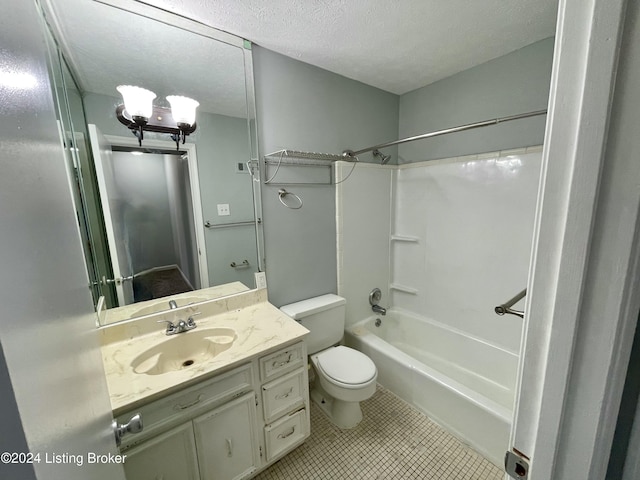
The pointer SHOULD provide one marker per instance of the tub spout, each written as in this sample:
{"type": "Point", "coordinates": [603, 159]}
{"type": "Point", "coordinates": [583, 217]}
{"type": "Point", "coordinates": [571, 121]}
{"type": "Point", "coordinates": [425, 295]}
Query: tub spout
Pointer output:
{"type": "Point", "coordinates": [379, 309]}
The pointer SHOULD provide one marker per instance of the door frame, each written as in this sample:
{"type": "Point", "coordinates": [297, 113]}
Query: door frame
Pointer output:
{"type": "Point", "coordinates": [192, 159]}
{"type": "Point", "coordinates": [580, 312]}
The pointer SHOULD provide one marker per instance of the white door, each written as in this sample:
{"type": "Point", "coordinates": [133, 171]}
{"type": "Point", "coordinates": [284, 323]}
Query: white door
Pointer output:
{"type": "Point", "coordinates": [122, 272]}
{"type": "Point", "coordinates": [52, 380]}
{"type": "Point", "coordinates": [579, 321]}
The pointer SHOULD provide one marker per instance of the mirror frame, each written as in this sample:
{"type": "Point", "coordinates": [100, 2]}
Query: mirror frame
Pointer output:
{"type": "Point", "coordinates": [174, 20]}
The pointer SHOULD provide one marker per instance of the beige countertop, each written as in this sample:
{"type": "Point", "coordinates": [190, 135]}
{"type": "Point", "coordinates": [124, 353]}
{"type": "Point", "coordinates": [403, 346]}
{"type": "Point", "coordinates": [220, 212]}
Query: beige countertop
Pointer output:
{"type": "Point", "coordinates": [260, 328]}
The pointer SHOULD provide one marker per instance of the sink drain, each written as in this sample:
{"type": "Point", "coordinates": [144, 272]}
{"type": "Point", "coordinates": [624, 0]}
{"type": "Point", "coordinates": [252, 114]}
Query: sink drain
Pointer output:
{"type": "Point", "coordinates": [187, 363]}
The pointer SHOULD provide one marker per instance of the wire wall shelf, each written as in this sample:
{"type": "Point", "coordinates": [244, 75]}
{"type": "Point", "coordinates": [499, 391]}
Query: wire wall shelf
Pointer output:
{"type": "Point", "coordinates": [281, 167]}
{"type": "Point", "coordinates": [298, 157]}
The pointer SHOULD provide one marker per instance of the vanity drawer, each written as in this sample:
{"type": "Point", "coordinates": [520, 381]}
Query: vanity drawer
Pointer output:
{"type": "Point", "coordinates": [183, 405]}
{"type": "Point", "coordinates": [282, 361]}
{"type": "Point", "coordinates": [283, 395]}
{"type": "Point", "coordinates": [285, 433]}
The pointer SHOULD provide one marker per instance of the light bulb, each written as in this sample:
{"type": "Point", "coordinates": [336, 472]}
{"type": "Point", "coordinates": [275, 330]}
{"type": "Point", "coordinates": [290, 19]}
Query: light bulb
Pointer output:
{"type": "Point", "coordinates": [138, 102]}
{"type": "Point", "coordinates": [183, 109]}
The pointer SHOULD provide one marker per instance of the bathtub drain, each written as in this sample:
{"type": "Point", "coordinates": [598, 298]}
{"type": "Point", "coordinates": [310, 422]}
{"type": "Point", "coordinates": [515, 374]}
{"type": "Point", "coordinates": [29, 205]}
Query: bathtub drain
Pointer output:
{"type": "Point", "coordinates": [187, 363]}
{"type": "Point", "coordinates": [378, 322]}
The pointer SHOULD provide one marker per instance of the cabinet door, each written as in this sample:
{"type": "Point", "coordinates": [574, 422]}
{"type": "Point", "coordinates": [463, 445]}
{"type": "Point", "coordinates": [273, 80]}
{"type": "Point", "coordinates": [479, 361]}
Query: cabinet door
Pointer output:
{"type": "Point", "coordinates": [227, 440]}
{"type": "Point", "coordinates": [170, 456]}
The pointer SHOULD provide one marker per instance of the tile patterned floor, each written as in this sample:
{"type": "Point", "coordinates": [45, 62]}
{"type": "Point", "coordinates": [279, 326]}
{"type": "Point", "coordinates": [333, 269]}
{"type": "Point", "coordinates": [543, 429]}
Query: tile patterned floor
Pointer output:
{"type": "Point", "coordinates": [393, 441]}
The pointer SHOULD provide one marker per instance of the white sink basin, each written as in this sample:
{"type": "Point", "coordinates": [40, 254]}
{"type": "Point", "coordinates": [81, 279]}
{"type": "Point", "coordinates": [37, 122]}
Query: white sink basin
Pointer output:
{"type": "Point", "coordinates": [184, 350]}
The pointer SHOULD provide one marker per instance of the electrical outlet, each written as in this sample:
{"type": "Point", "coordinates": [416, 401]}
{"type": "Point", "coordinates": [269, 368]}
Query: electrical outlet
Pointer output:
{"type": "Point", "coordinates": [261, 280]}
{"type": "Point", "coordinates": [223, 209]}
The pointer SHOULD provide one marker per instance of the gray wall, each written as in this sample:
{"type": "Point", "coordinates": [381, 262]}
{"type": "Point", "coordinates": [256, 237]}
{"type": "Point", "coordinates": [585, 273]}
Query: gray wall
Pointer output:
{"type": "Point", "coordinates": [48, 321]}
{"type": "Point", "coordinates": [511, 84]}
{"type": "Point", "coordinates": [302, 107]}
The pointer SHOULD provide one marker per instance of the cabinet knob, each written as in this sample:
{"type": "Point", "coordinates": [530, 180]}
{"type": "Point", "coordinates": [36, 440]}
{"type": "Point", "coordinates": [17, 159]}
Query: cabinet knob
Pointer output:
{"type": "Point", "coordinates": [134, 425]}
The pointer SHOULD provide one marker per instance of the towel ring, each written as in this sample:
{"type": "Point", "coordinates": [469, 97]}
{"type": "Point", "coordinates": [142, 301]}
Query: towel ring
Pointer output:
{"type": "Point", "coordinates": [283, 193]}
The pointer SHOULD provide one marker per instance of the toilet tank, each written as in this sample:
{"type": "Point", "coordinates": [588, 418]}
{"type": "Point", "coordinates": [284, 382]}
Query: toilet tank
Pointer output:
{"type": "Point", "coordinates": [323, 316]}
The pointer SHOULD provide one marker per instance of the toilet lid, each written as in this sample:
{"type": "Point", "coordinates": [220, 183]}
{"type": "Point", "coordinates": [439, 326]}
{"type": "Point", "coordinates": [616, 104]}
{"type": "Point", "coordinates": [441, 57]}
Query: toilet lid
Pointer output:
{"type": "Point", "coordinates": [346, 365]}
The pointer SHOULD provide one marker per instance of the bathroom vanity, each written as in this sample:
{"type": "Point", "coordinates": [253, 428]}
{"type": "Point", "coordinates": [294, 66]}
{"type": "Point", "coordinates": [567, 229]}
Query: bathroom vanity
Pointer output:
{"type": "Point", "coordinates": [222, 401]}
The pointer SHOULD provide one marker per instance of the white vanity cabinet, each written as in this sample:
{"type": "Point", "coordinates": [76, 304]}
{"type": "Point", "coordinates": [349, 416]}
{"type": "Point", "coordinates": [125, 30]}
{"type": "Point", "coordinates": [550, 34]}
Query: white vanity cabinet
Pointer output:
{"type": "Point", "coordinates": [229, 427]}
{"type": "Point", "coordinates": [171, 455]}
{"type": "Point", "coordinates": [285, 400]}
{"type": "Point", "coordinates": [228, 439]}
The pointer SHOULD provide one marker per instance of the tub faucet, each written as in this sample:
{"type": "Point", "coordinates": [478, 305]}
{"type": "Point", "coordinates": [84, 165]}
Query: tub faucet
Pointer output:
{"type": "Point", "coordinates": [374, 299]}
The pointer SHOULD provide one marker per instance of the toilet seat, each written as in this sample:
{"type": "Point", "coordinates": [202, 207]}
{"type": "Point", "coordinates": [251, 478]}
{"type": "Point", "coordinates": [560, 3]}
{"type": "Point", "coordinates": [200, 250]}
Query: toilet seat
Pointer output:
{"type": "Point", "coordinates": [346, 366]}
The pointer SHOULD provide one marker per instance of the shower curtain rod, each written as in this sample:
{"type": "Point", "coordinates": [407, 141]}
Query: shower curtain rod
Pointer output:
{"type": "Point", "coordinates": [461, 128]}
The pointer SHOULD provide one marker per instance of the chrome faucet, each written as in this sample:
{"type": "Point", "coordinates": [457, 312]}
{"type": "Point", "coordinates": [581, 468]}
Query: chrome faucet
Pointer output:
{"type": "Point", "coordinates": [181, 326]}
{"type": "Point", "coordinates": [374, 299]}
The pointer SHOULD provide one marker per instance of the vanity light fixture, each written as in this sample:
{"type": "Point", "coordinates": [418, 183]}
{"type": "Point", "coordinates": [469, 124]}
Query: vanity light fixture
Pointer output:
{"type": "Point", "coordinates": [139, 114]}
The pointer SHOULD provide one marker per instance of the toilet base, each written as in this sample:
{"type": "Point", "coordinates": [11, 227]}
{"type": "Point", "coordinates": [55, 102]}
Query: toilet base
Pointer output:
{"type": "Point", "coordinates": [345, 415]}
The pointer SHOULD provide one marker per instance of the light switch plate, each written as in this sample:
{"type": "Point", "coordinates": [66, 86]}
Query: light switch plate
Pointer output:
{"type": "Point", "coordinates": [223, 209]}
{"type": "Point", "coordinates": [261, 280]}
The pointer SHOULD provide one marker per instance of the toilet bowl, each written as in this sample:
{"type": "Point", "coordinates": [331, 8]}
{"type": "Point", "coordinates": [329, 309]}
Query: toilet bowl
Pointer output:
{"type": "Point", "coordinates": [344, 378]}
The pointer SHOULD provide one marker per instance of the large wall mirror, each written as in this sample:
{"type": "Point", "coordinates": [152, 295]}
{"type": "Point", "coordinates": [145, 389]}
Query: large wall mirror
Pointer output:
{"type": "Point", "coordinates": [158, 218]}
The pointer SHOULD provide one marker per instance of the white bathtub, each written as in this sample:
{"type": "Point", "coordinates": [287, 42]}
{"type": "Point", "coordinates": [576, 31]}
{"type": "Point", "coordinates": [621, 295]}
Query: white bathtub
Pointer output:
{"type": "Point", "coordinates": [463, 383]}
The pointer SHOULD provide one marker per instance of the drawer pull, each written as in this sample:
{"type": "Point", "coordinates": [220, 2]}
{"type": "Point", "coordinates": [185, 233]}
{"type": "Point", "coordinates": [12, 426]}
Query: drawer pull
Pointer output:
{"type": "Point", "coordinates": [284, 395]}
{"type": "Point", "coordinates": [288, 434]}
{"type": "Point", "coordinates": [229, 447]}
{"type": "Point", "coordinates": [188, 405]}
{"type": "Point", "coordinates": [282, 364]}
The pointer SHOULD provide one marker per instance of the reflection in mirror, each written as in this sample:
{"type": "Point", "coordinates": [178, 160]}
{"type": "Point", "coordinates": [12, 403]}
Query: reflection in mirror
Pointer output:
{"type": "Point", "coordinates": [156, 221]}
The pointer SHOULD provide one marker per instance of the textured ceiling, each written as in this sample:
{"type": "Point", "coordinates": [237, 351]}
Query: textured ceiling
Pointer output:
{"type": "Point", "coordinates": [395, 45]}
{"type": "Point", "coordinates": [110, 47]}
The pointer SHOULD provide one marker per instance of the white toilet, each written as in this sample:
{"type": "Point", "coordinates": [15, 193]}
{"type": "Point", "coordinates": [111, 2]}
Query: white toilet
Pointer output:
{"type": "Point", "coordinates": [344, 376]}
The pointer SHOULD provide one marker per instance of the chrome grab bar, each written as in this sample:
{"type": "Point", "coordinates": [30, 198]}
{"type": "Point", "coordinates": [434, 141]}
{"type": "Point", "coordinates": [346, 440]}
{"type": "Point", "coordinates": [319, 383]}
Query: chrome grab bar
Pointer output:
{"type": "Point", "coordinates": [243, 264]}
{"type": "Point", "coordinates": [208, 224]}
{"type": "Point", "coordinates": [506, 307]}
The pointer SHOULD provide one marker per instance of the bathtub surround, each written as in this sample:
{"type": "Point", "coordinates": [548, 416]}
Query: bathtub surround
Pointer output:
{"type": "Point", "coordinates": [449, 240]}
{"type": "Point", "coordinates": [396, 227]}
{"type": "Point", "coordinates": [363, 205]}
{"type": "Point", "coordinates": [473, 218]}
